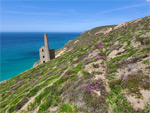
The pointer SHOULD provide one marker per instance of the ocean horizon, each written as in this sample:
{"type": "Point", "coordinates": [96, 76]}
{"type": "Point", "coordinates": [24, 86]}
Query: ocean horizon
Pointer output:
{"type": "Point", "coordinates": [20, 50]}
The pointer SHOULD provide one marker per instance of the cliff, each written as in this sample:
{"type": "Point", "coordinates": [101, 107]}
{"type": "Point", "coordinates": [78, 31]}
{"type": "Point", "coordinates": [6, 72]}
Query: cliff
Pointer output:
{"type": "Point", "coordinates": [106, 69]}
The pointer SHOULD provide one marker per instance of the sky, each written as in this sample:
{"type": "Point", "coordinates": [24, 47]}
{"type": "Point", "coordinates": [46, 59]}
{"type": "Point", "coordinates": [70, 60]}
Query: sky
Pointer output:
{"type": "Point", "coordinates": [68, 15]}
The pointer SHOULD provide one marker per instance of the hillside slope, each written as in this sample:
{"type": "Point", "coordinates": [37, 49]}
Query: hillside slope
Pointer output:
{"type": "Point", "coordinates": [106, 69]}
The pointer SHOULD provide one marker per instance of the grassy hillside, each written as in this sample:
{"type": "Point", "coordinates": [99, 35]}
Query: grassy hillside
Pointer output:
{"type": "Point", "coordinates": [106, 69]}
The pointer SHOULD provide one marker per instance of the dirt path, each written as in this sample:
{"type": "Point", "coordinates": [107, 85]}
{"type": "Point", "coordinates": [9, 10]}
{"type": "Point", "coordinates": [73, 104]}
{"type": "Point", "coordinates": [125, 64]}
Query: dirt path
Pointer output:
{"type": "Point", "coordinates": [36, 110]}
{"type": "Point", "coordinates": [33, 98]}
{"type": "Point", "coordinates": [89, 33]}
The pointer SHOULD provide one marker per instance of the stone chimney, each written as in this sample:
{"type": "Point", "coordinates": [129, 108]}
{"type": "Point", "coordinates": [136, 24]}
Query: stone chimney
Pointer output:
{"type": "Point", "coordinates": [46, 41]}
{"type": "Point", "coordinates": [46, 54]}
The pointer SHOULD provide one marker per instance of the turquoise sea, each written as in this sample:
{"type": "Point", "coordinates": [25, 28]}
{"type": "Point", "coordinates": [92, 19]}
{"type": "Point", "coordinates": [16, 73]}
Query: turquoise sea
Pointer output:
{"type": "Point", "coordinates": [19, 51]}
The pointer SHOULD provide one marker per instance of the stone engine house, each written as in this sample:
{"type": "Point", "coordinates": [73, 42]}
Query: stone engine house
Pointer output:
{"type": "Point", "coordinates": [46, 54]}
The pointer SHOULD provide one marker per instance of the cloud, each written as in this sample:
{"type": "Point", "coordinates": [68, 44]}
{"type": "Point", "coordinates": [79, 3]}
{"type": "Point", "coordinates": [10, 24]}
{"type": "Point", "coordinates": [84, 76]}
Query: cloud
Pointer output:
{"type": "Point", "coordinates": [61, 13]}
{"type": "Point", "coordinates": [122, 8]}
{"type": "Point", "coordinates": [34, 13]}
{"type": "Point", "coordinates": [147, 0]}
{"type": "Point", "coordinates": [28, 6]}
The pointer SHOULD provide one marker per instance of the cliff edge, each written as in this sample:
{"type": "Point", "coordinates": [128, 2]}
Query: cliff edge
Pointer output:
{"type": "Point", "coordinates": [105, 69]}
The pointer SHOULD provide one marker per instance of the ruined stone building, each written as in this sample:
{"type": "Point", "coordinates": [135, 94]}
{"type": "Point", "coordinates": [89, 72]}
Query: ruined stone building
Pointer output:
{"type": "Point", "coordinates": [46, 54]}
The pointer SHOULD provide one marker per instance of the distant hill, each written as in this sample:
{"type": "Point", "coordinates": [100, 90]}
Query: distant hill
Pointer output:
{"type": "Point", "coordinates": [104, 70]}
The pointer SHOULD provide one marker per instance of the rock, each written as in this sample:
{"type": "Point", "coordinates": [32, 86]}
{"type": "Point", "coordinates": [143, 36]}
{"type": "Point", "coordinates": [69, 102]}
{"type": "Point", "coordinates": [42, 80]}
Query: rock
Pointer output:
{"type": "Point", "coordinates": [36, 63]}
{"type": "Point", "coordinates": [139, 103]}
{"type": "Point", "coordinates": [135, 43]}
{"type": "Point", "coordinates": [75, 59]}
{"type": "Point", "coordinates": [147, 34]}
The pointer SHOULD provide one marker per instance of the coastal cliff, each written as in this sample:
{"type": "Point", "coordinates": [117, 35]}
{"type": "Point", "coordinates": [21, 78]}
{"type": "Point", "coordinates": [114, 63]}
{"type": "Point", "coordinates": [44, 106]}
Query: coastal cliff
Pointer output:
{"type": "Point", "coordinates": [105, 69]}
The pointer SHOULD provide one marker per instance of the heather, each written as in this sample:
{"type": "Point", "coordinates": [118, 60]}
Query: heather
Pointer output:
{"type": "Point", "coordinates": [105, 72]}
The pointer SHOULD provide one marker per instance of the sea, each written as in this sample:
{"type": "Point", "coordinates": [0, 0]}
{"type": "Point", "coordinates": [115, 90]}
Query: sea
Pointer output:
{"type": "Point", "coordinates": [20, 50]}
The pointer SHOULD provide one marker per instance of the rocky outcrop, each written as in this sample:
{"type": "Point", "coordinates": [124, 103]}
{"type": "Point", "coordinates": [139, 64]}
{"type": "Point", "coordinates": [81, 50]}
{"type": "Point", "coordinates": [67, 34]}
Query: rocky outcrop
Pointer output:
{"type": "Point", "coordinates": [36, 63]}
{"type": "Point", "coordinates": [105, 69]}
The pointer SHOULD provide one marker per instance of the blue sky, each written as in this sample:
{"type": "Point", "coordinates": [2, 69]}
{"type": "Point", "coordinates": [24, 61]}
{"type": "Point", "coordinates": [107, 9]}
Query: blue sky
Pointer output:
{"type": "Point", "coordinates": [68, 16]}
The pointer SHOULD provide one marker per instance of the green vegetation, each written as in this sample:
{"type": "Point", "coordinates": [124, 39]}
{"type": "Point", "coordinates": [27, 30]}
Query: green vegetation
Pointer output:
{"type": "Point", "coordinates": [133, 83]}
{"type": "Point", "coordinates": [78, 68]}
{"type": "Point", "coordinates": [117, 99]}
{"type": "Point", "coordinates": [66, 108]}
{"type": "Point", "coordinates": [57, 85]}
{"type": "Point", "coordinates": [86, 74]}
{"type": "Point", "coordinates": [37, 88]}
{"type": "Point", "coordinates": [146, 62]}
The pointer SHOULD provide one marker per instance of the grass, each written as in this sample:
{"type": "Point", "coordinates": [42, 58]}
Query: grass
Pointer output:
{"type": "Point", "coordinates": [12, 93]}
{"type": "Point", "coordinates": [5, 105]}
{"type": "Point", "coordinates": [133, 83]}
{"type": "Point", "coordinates": [96, 102]}
{"type": "Point", "coordinates": [112, 67]}
{"type": "Point", "coordinates": [66, 108]}
{"type": "Point", "coordinates": [51, 95]}
{"type": "Point", "coordinates": [147, 107]}
{"type": "Point", "coordinates": [78, 68]}
{"type": "Point", "coordinates": [19, 88]}
{"type": "Point", "coordinates": [86, 75]}
{"type": "Point", "coordinates": [116, 63]}
{"type": "Point", "coordinates": [31, 93]}
{"type": "Point", "coordinates": [50, 101]}
{"type": "Point", "coordinates": [146, 62]}
{"type": "Point", "coordinates": [118, 103]}
{"type": "Point", "coordinates": [110, 76]}
{"type": "Point", "coordinates": [69, 72]}
{"type": "Point", "coordinates": [37, 88]}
